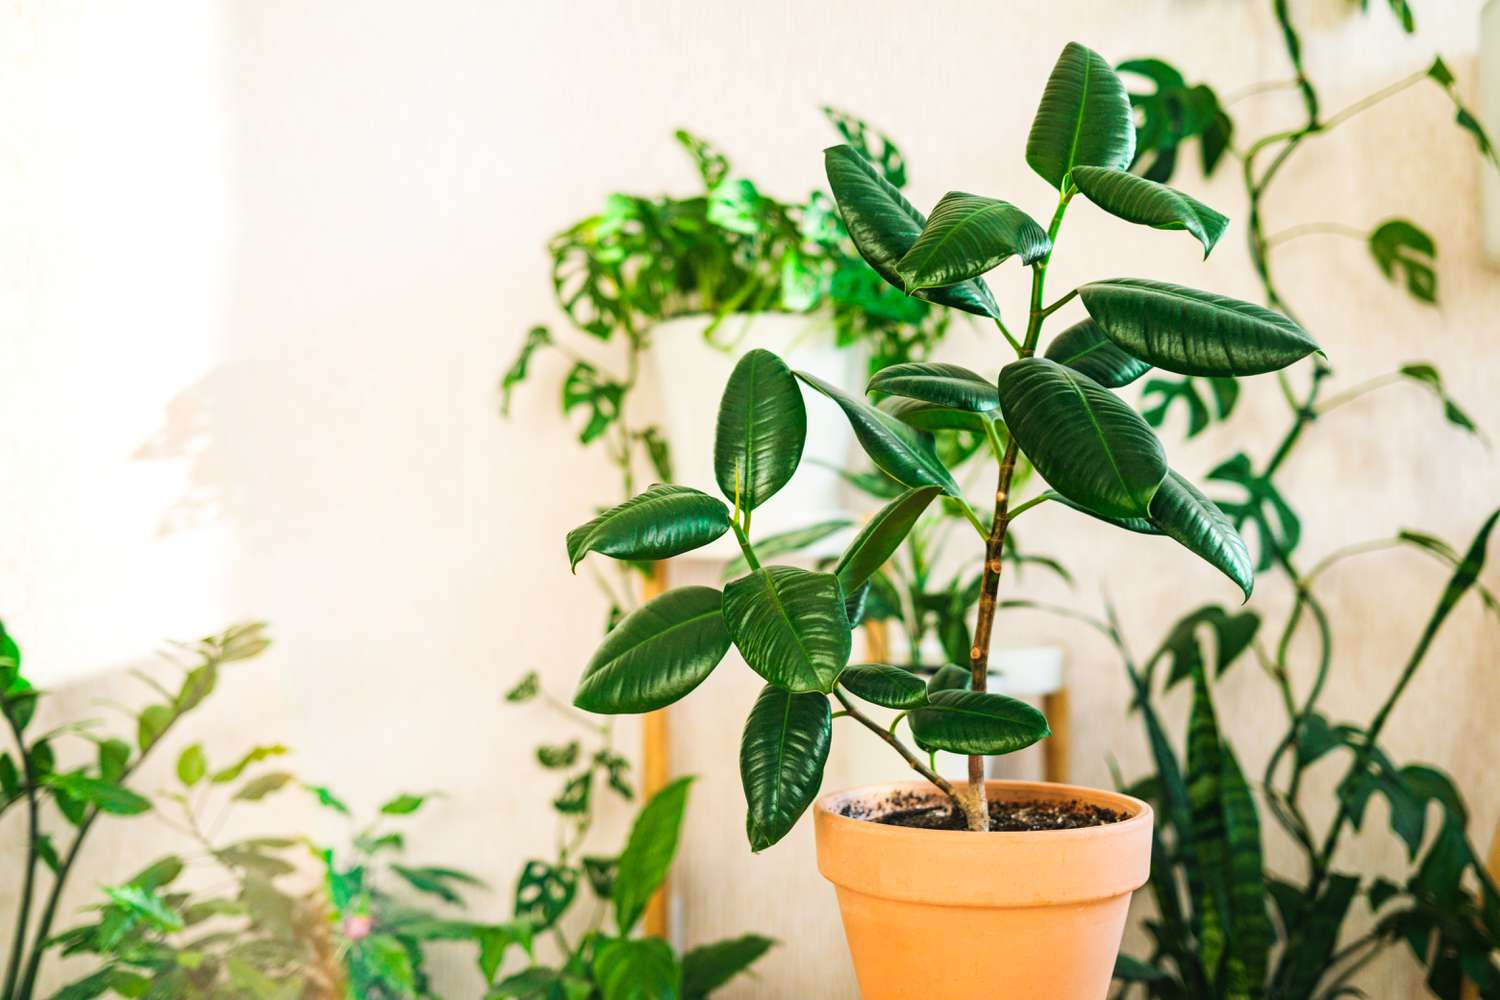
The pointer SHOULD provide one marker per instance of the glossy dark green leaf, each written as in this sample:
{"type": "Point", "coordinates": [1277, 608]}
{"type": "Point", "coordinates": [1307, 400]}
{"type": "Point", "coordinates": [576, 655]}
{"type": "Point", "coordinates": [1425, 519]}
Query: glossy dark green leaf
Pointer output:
{"type": "Point", "coordinates": [1236, 934]}
{"type": "Point", "coordinates": [885, 685]}
{"type": "Point", "coordinates": [884, 225]}
{"type": "Point", "coordinates": [1147, 203]}
{"type": "Point", "coordinates": [657, 654]}
{"type": "Point", "coordinates": [1086, 443]}
{"type": "Point", "coordinates": [637, 969]}
{"type": "Point", "coordinates": [1084, 119]}
{"type": "Point", "coordinates": [977, 722]}
{"type": "Point", "coordinates": [967, 235]}
{"type": "Point", "coordinates": [951, 386]}
{"type": "Point", "coordinates": [1083, 347]}
{"type": "Point", "coordinates": [761, 430]}
{"type": "Point", "coordinates": [930, 417]}
{"type": "Point", "coordinates": [901, 452]}
{"type": "Point", "coordinates": [1180, 511]}
{"type": "Point", "coordinates": [1192, 332]}
{"type": "Point", "coordinates": [660, 523]}
{"type": "Point", "coordinates": [790, 625]}
{"type": "Point", "coordinates": [881, 536]}
{"type": "Point", "coordinates": [1429, 376]}
{"type": "Point", "coordinates": [782, 754]}
{"type": "Point", "coordinates": [648, 852]}
{"type": "Point", "coordinates": [710, 966]}
{"type": "Point", "coordinates": [787, 542]}
{"type": "Point", "coordinates": [1399, 246]}
{"type": "Point", "coordinates": [950, 677]}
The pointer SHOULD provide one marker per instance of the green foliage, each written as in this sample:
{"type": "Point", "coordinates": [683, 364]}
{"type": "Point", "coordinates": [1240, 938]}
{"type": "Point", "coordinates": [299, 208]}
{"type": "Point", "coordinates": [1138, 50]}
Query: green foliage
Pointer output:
{"type": "Point", "coordinates": [1399, 246]}
{"type": "Point", "coordinates": [660, 523]}
{"type": "Point", "coordinates": [1145, 202]}
{"type": "Point", "coordinates": [761, 429]}
{"type": "Point", "coordinates": [1084, 348]}
{"type": "Point", "coordinates": [967, 235]}
{"type": "Point", "coordinates": [782, 754]}
{"type": "Point", "coordinates": [790, 625]}
{"type": "Point", "coordinates": [1084, 119]}
{"type": "Point", "coordinates": [657, 654]}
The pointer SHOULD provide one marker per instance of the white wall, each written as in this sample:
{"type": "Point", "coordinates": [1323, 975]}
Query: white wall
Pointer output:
{"type": "Point", "coordinates": [263, 262]}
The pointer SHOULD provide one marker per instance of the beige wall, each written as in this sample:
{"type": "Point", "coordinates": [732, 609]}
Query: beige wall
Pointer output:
{"type": "Point", "coordinates": [263, 262]}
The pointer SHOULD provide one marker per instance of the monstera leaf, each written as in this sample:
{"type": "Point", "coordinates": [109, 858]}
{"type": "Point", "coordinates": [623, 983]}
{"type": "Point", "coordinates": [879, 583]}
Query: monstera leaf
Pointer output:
{"type": "Point", "coordinates": [966, 236]}
{"type": "Point", "coordinates": [951, 386]}
{"type": "Point", "coordinates": [782, 754]}
{"type": "Point", "coordinates": [906, 455]}
{"type": "Point", "coordinates": [762, 428]}
{"type": "Point", "coordinates": [790, 625]}
{"type": "Point", "coordinates": [657, 654]}
{"type": "Point", "coordinates": [1090, 446]}
{"type": "Point", "coordinates": [660, 523]}
{"type": "Point", "coordinates": [1190, 332]}
{"type": "Point", "coordinates": [1084, 119]}
{"type": "Point", "coordinates": [1083, 347]}
{"type": "Point", "coordinates": [884, 226]}
{"type": "Point", "coordinates": [1147, 203]}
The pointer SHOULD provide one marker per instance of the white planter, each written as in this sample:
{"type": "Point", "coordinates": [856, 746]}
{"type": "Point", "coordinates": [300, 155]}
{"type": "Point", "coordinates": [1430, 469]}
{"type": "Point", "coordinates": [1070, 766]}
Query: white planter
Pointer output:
{"type": "Point", "coordinates": [691, 374]}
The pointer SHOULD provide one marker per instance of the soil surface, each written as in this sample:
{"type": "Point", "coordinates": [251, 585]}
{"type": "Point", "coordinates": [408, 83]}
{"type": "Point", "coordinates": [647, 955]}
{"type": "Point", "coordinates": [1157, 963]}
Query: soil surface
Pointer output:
{"type": "Point", "coordinates": [922, 812]}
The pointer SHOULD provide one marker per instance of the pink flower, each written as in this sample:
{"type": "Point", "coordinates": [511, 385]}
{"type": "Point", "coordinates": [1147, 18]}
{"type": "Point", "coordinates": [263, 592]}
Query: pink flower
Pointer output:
{"type": "Point", "coordinates": [357, 928]}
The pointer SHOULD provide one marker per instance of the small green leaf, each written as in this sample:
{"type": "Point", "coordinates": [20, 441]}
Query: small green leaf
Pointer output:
{"type": "Point", "coordinates": [903, 453]}
{"type": "Point", "coordinates": [192, 765]}
{"type": "Point", "coordinates": [1147, 203]}
{"type": "Point", "coordinates": [885, 685]}
{"type": "Point", "coordinates": [106, 796]}
{"type": "Point", "coordinates": [790, 625]}
{"type": "Point", "coordinates": [151, 724]}
{"type": "Point", "coordinates": [259, 787]}
{"type": "Point", "coordinates": [536, 338]}
{"type": "Point", "coordinates": [543, 893]}
{"type": "Point", "coordinates": [881, 536]}
{"type": "Point", "coordinates": [762, 427]}
{"type": "Point", "coordinates": [436, 881]}
{"type": "Point", "coordinates": [951, 386]}
{"type": "Point", "coordinates": [1086, 443]}
{"type": "Point", "coordinates": [526, 688]}
{"type": "Point", "coordinates": [884, 226]}
{"type": "Point", "coordinates": [1084, 119]}
{"type": "Point", "coordinates": [601, 874]}
{"type": "Point", "coordinates": [782, 754]}
{"type": "Point", "coordinates": [327, 799]}
{"type": "Point", "coordinates": [114, 756]}
{"type": "Point", "coordinates": [1083, 347]}
{"type": "Point", "coordinates": [1428, 375]}
{"type": "Point", "coordinates": [977, 722]}
{"type": "Point", "coordinates": [967, 235]}
{"type": "Point", "coordinates": [1183, 646]}
{"type": "Point", "coordinates": [1397, 245]}
{"type": "Point", "coordinates": [559, 756]}
{"type": "Point", "coordinates": [711, 966]}
{"type": "Point", "coordinates": [638, 969]}
{"type": "Point", "coordinates": [1191, 332]}
{"type": "Point", "coordinates": [657, 654]}
{"type": "Point", "coordinates": [660, 523]}
{"type": "Point", "coordinates": [648, 852]}
{"type": "Point", "coordinates": [584, 388]}
{"type": "Point", "coordinates": [404, 804]}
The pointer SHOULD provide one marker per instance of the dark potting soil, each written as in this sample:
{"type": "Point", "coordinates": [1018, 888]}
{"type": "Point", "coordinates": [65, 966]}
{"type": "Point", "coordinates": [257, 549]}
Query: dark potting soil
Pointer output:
{"type": "Point", "coordinates": [921, 812]}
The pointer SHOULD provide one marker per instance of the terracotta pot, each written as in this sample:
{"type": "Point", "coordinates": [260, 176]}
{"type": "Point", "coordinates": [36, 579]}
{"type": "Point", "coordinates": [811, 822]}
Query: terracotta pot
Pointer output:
{"type": "Point", "coordinates": [952, 915]}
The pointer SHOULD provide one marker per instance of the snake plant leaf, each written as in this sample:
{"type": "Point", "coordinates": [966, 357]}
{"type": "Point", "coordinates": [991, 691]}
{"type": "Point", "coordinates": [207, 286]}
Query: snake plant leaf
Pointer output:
{"type": "Point", "coordinates": [1190, 332]}
{"type": "Point", "coordinates": [884, 225]}
{"type": "Point", "coordinates": [782, 754]}
{"type": "Point", "coordinates": [885, 685]}
{"type": "Point", "coordinates": [1310, 952]}
{"type": "Point", "coordinates": [1083, 347]}
{"type": "Point", "coordinates": [1089, 445]}
{"type": "Point", "coordinates": [1236, 931]}
{"type": "Point", "coordinates": [790, 625]}
{"type": "Point", "coordinates": [1181, 512]}
{"type": "Point", "coordinates": [952, 386]}
{"type": "Point", "coordinates": [881, 536]}
{"type": "Point", "coordinates": [762, 428]}
{"type": "Point", "coordinates": [1147, 203]}
{"type": "Point", "coordinates": [625, 969]}
{"type": "Point", "coordinates": [660, 523]}
{"type": "Point", "coordinates": [1084, 119]}
{"type": "Point", "coordinates": [901, 452]}
{"type": "Point", "coordinates": [657, 654]}
{"type": "Point", "coordinates": [648, 852]}
{"type": "Point", "coordinates": [967, 235]}
{"type": "Point", "coordinates": [931, 417]}
{"type": "Point", "coordinates": [977, 722]}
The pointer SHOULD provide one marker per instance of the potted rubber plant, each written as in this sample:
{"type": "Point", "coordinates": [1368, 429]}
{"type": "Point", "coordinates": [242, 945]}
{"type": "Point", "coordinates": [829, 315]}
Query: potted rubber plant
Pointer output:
{"type": "Point", "coordinates": [1036, 877]}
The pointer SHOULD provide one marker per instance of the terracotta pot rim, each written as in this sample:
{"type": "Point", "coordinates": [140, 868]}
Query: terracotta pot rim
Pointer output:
{"type": "Point", "coordinates": [1140, 812]}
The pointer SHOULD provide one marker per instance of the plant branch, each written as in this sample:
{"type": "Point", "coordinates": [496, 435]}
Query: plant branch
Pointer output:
{"type": "Point", "coordinates": [901, 748]}
{"type": "Point", "coordinates": [33, 838]}
{"type": "Point", "coordinates": [1312, 229]}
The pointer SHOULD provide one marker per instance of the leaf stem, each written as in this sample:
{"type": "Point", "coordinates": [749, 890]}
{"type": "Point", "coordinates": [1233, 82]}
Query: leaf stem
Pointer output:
{"type": "Point", "coordinates": [1020, 509]}
{"type": "Point", "coordinates": [745, 546]}
{"type": "Point", "coordinates": [1014, 343]}
{"type": "Point", "coordinates": [1054, 307]}
{"type": "Point", "coordinates": [1312, 229]}
{"type": "Point", "coordinates": [901, 748]}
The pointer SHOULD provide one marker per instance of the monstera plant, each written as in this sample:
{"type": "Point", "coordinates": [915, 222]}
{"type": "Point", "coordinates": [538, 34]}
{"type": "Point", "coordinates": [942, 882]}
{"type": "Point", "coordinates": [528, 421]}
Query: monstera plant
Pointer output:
{"type": "Point", "coordinates": [1052, 402]}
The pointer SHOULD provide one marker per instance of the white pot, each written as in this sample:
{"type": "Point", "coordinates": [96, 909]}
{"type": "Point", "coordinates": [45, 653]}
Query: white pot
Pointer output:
{"type": "Point", "coordinates": [691, 374]}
